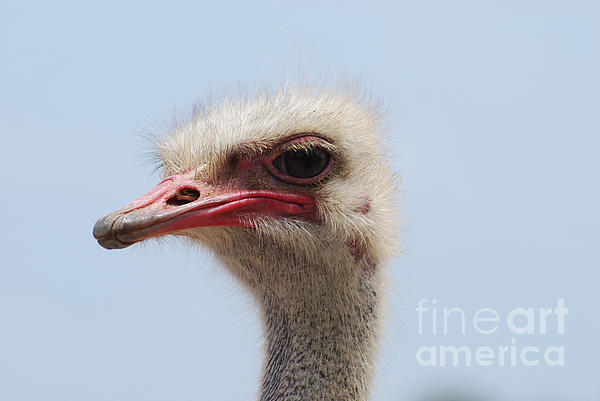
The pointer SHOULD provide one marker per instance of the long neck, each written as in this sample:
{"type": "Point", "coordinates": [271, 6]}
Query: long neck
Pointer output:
{"type": "Point", "coordinates": [321, 334]}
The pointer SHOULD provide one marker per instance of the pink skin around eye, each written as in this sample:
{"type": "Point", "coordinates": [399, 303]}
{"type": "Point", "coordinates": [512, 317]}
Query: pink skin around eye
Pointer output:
{"type": "Point", "coordinates": [245, 165]}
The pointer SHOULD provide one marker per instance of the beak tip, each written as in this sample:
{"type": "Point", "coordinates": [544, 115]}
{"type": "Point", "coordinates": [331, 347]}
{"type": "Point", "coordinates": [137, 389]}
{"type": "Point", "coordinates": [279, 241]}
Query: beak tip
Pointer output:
{"type": "Point", "coordinates": [102, 228]}
{"type": "Point", "coordinates": [110, 244]}
{"type": "Point", "coordinates": [103, 232]}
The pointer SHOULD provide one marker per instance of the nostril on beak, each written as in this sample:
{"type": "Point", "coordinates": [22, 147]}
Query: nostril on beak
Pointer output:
{"type": "Point", "coordinates": [183, 197]}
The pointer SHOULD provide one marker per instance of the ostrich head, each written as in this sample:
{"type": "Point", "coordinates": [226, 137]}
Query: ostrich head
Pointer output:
{"type": "Point", "coordinates": [291, 192]}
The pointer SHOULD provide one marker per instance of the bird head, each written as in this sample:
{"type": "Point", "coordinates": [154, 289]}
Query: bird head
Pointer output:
{"type": "Point", "coordinates": [295, 174]}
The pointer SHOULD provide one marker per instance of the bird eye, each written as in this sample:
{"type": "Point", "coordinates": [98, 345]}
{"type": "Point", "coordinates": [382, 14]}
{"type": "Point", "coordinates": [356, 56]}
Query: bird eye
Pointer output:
{"type": "Point", "coordinates": [302, 163]}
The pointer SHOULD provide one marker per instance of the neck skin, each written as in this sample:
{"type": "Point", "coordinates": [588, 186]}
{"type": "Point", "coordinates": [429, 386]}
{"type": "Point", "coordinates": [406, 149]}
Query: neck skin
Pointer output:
{"type": "Point", "coordinates": [321, 334]}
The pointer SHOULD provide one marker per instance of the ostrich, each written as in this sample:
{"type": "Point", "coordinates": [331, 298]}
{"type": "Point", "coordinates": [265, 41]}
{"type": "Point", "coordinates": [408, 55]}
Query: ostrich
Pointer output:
{"type": "Point", "coordinates": [291, 192]}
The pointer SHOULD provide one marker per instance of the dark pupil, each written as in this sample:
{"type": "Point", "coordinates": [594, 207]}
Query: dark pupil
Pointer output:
{"type": "Point", "coordinates": [305, 163]}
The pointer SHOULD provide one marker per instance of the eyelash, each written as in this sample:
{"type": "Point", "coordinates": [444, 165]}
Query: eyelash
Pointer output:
{"type": "Point", "coordinates": [312, 143]}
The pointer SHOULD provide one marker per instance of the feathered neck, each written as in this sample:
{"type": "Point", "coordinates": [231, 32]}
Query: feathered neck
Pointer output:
{"type": "Point", "coordinates": [323, 347]}
{"type": "Point", "coordinates": [321, 318]}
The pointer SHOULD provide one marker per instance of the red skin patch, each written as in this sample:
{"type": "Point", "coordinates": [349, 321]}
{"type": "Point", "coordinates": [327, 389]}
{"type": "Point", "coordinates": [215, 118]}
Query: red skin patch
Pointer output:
{"type": "Point", "coordinates": [365, 208]}
{"type": "Point", "coordinates": [246, 165]}
{"type": "Point", "coordinates": [358, 250]}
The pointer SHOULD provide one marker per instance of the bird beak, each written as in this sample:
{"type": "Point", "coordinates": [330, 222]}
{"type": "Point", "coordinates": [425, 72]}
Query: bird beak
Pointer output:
{"type": "Point", "coordinates": [180, 202]}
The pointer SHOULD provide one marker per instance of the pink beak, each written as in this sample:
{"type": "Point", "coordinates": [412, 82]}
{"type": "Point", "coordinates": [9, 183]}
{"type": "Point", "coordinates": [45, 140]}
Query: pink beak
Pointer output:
{"type": "Point", "coordinates": [180, 203]}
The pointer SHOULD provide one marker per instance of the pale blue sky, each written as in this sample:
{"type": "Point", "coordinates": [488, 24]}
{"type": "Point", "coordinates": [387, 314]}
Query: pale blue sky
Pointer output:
{"type": "Point", "coordinates": [495, 131]}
